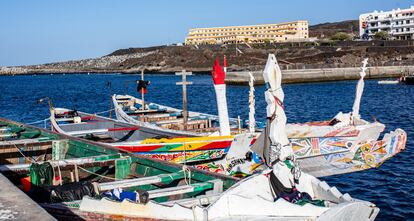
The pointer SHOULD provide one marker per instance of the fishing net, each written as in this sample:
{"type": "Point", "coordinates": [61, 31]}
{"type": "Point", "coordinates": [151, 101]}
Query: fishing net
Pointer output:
{"type": "Point", "coordinates": [41, 174]}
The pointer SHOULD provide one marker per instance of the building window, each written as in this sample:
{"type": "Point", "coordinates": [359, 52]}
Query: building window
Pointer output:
{"type": "Point", "coordinates": [407, 22]}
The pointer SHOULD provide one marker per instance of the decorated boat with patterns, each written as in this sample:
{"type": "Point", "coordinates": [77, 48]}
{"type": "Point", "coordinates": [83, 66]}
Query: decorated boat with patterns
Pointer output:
{"type": "Point", "coordinates": [344, 144]}
{"type": "Point", "coordinates": [75, 179]}
{"type": "Point", "coordinates": [163, 118]}
{"type": "Point", "coordinates": [141, 140]}
{"type": "Point", "coordinates": [323, 148]}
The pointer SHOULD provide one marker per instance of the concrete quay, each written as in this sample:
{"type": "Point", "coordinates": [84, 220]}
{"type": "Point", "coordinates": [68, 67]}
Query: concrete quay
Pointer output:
{"type": "Point", "coordinates": [323, 74]}
{"type": "Point", "coordinates": [16, 205]}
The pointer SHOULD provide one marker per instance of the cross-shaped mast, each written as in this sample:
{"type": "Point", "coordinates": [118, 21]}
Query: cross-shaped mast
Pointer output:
{"type": "Point", "coordinates": [184, 83]}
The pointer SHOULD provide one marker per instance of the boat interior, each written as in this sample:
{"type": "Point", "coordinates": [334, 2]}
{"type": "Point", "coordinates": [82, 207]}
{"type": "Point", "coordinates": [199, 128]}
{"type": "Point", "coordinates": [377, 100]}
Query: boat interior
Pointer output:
{"type": "Point", "coordinates": [172, 118]}
{"type": "Point", "coordinates": [96, 128]}
{"type": "Point", "coordinates": [58, 171]}
{"type": "Point", "coordinates": [71, 177]}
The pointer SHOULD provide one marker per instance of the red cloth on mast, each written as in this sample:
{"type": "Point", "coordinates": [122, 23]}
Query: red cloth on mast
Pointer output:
{"type": "Point", "coordinates": [218, 73]}
{"type": "Point", "coordinates": [142, 86]}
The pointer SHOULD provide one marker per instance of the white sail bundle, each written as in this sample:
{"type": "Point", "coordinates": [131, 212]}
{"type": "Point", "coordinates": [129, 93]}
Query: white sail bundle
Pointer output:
{"type": "Point", "coordinates": [252, 103]}
{"type": "Point", "coordinates": [359, 90]}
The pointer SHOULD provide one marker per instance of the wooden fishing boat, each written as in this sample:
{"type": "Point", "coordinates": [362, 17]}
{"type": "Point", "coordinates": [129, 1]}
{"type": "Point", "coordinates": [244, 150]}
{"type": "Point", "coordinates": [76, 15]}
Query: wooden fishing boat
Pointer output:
{"type": "Point", "coordinates": [388, 82]}
{"type": "Point", "coordinates": [131, 109]}
{"type": "Point", "coordinates": [319, 156]}
{"type": "Point", "coordinates": [323, 148]}
{"type": "Point", "coordinates": [163, 118]}
{"type": "Point", "coordinates": [342, 145]}
{"type": "Point", "coordinates": [165, 145]}
{"type": "Point", "coordinates": [409, 79]}
{"type": "Point", "coordinates": [75, 179]}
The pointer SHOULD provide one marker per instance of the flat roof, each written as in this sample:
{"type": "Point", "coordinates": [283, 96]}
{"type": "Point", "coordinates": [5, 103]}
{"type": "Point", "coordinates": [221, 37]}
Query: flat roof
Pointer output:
{"type": "Point", "coordinates": [237, 26]}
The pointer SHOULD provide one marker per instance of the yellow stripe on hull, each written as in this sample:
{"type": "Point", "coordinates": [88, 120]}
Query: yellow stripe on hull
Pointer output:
{"type": "Point", "coordinates": [185, 139]}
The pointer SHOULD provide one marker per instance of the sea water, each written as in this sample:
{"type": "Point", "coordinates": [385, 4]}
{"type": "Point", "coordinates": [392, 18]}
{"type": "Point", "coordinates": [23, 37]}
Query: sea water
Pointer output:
{"type": "Point", "coordinates": [390, 187]}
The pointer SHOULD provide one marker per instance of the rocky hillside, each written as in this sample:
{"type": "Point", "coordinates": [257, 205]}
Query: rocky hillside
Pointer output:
{"type": "Point", "coordinates": [327, 30]}
{"type": "Point", "coordinates": [166, 59]}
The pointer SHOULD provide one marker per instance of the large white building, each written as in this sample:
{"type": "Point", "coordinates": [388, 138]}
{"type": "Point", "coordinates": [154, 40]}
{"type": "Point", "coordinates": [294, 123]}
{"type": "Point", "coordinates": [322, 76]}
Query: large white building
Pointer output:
{"type": "Point", "coordinates": [398, 23]}
{"type": "Point", "coordinates": [281, 32]}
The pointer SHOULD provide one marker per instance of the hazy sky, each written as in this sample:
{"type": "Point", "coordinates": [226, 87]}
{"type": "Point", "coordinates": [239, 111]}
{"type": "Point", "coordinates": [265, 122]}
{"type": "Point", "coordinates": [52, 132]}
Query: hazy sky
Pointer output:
{"type": "Point", "coordinates": [34, 32]}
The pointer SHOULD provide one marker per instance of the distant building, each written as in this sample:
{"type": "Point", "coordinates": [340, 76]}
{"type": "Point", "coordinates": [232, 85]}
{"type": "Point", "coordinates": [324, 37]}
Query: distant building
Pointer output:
{"type": "Point", "coordinates": [398, 23]}
{"type": "Point", "coordinates": [282, 32]}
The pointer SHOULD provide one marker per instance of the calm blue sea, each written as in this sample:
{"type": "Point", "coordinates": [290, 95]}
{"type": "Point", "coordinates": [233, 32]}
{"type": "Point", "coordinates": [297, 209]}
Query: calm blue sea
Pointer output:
{"type": "Point", "coordinates": [390, 187]}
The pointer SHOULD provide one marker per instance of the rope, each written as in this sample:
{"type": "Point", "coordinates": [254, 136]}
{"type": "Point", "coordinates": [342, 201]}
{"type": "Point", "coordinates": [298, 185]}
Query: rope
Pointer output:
{"type": "Point", "coordinates": [47, 119]}
{"type": "Point", "coordinates": [185, 153]}
{"type": "Point", "coordinates": [146, 170]}
{"type": "Point", "coordinates": [194, 213]}
{"type": "Point", "coordinates": [105, 111]}
{"type": "Point", "coordinates": [39, 121]}
{"type": "Point", "coordinates": [186, 169]}
{"type": "Point", "coordinates": [60, 174]}
{"type": "Point", "coordinates": [96, 174]}
{"type": "Point", "coordinates": [31, 160]}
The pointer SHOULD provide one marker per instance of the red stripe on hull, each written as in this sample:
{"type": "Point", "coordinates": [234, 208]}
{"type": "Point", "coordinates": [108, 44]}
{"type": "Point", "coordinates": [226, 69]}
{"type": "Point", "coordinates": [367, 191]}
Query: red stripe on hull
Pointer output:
{"type": "Point", "coordinates": [123, 128]}
{"type": "Point", "coordinates": [216, 145]}
{"type": "Point", "coordinates": [140, 148]}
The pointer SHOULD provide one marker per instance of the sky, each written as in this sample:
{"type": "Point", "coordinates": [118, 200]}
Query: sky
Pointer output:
{"type": "Point", "coordinates": [43, 31]}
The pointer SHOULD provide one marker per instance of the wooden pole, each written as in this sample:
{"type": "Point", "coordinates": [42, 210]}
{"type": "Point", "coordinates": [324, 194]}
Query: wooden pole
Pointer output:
{"type": "Point", "coordinates": [184, 84]}
{"type": "Point", "coordinates": [110, 100]}
{"type": "Point", "coordinates": [142, 91]}
{"type": "Point", "coordinates": [76, 173]}
{"type": "Point", "coordinates": [185, 113]}
{"type": "Point", "coordinates": [238, 124]}
{"type": "Point", "coordinates": [72, 177]}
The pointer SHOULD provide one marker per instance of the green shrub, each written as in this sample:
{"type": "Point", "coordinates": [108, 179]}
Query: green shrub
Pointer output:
{"type": "Point", "coordinates": [341, 36]}
{"type": "Point", "coordinates": [381, 35]}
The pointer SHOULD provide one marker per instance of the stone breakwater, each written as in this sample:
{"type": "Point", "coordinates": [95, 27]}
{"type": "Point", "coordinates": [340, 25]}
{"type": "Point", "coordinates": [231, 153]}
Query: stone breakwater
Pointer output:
{"type": "Point", "coordinates": [323, 74]}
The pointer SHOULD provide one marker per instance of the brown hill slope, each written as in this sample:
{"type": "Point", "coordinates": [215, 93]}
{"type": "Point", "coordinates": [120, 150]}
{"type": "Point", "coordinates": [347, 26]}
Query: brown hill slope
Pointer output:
{"type": "Point", "coordinates": [326, 30]}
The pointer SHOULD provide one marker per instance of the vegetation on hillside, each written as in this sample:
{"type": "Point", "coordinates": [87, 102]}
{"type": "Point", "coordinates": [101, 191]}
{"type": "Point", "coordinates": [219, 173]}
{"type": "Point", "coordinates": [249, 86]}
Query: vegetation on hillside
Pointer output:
{"type": "Point", "coordinates": [381, 35]}
{"type": "Point", "coordinates": [341, 36]}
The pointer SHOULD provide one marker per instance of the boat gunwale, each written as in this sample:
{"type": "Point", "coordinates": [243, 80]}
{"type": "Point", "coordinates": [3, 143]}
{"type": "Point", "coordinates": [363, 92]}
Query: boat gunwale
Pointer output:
{"type": "Point", "coordinates": [148, 161]}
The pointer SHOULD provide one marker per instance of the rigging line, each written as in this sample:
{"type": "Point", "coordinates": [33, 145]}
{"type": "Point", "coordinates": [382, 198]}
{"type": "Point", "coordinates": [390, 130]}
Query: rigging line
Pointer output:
{"type": "Point", "coordinates": [27, 158]}
{"type": "Point", "coordinates": [99, 175]}
{"type": "Point", "coordinates": [60, 175]}
{"type": "Point", "coordinates": [105, 111]}
{"type": "Point", "coordinates": [185, 171]}
{"type": "Point", "coordinates": [39, 121]}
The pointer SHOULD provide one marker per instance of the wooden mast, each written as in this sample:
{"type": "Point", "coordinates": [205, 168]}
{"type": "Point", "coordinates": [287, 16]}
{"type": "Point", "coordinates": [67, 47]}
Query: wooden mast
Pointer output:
{"type": "Point", "coordinates": [142, 91]}
{"type": "Point", "coordinates": [184, 83]}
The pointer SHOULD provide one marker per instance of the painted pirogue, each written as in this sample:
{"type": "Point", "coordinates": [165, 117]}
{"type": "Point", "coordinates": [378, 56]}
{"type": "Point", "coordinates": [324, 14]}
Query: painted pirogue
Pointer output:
{"type": "Point", "coordinates": [139, 140]}
{"type": "Point", "coordinates": [77, 179]}
{"type": "Point", "coordinates": [342, 151]}
{"type": "Point", "coordinates": [344, 144]}
{"type": "Point", "coordinates": [92, 180]}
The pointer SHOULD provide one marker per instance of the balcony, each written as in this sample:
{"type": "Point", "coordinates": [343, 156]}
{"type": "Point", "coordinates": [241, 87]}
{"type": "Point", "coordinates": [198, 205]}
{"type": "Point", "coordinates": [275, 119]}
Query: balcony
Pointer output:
{"type": "Point", "coordinates": [411, 31]}
{"type": "Point", "coordinates": [381, 19]}
{"type": "Point", "coordinates": [404, 25]}
{"type": "Point", "coordinates": [403, 17]}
